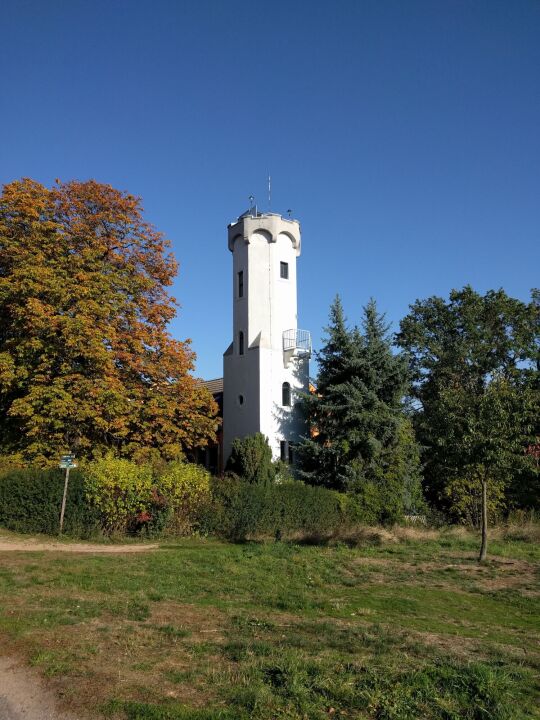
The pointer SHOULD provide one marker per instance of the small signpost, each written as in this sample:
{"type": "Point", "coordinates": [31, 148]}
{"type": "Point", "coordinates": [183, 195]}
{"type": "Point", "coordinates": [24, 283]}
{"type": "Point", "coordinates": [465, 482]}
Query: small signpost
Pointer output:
{"type": "Point", "coordinates": [66, 462]}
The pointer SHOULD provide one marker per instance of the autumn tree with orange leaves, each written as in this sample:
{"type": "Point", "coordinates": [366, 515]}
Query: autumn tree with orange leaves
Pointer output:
{"type": "Point", "coordinates": [86, 361]}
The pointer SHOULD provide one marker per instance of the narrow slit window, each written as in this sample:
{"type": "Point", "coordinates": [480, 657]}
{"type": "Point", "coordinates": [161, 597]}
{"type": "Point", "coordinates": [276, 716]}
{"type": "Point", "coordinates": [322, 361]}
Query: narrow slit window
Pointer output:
{"type": "Point", "coordinates": [240, 343]}
{"type": "Point", "coordinates": [241, 284]}
{"type": "Point", "coordinates": [286, 394]}
{"type": "Point", "coordinates": [284, 450]}
{"type": "Point", "coordinates": [291, 454]}
{"type": "Point", "coordinates": [284, 270]}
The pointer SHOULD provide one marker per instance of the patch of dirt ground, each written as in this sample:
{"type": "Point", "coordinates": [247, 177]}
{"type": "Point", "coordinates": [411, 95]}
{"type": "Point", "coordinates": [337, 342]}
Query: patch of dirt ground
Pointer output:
{"type": "Point", "coordinates": [497, 574]}
{"type": "Point", "coordinates": [23, 695]}
{"type": "Point", "coordinates": [111, 657]}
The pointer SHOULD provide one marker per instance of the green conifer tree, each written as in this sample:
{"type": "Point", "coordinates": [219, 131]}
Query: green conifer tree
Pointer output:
{"type": "Point", "coordinates": [251, 459]}
{"type": "Point", "coordinates": [360, 439]}
{"type": "Point", "coordinates": [324, 453]}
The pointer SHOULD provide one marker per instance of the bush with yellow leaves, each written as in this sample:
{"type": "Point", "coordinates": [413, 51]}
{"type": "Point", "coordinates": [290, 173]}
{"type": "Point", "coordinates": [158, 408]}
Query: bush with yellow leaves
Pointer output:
{"type": "Point", "coordinates": [185, 487]}
{"type": "Point", "coordinates": [121, 490]}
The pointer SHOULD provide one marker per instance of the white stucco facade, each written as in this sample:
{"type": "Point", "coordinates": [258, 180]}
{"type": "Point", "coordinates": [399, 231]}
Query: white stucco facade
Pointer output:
{"type": "Point", "coordinates": [258, 362]}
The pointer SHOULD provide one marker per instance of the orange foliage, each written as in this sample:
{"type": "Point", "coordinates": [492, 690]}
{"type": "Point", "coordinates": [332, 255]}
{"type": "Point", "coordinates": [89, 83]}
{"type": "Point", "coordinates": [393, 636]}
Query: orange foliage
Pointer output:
{"type": "Point", "coordinates": [86, 361]}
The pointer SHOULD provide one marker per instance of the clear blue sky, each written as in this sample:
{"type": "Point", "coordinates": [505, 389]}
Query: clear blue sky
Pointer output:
{"type": "Point", "coordinates": [405, 136]}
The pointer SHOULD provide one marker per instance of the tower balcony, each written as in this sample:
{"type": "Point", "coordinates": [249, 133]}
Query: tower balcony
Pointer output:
{"type": "Point", "coordinates": [297, 342]}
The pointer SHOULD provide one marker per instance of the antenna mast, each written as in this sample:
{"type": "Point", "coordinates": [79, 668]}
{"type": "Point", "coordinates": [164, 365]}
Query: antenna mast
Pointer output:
{"type": "Point", "coordinates": [269, 193]}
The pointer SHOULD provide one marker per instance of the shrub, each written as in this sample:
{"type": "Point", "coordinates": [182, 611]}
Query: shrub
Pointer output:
{"type": "Point", "coordinates": [115, 494]}
{"type": "Point", "coordinates": [11, 462]}
{"type": "Point", "coordinates": [465, 496]}
{"type": "Point", "coordinates": [121, 491]}
{"type": "Point", "coordinates": [387, 491]}
{"type": "Point", "coordinates": [251, 459]}
{"type": "Point", "coordinates": [283, 472]}
{"type": "Point", "coordinates": [185, 489]}
{"type": "Point", "coordinates": [30, 501]}
{"type": "Point", "coordinates": [241, 510]}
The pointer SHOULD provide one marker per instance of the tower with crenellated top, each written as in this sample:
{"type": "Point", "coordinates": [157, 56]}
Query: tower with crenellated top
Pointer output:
{"type": "Point", "coordinates": [267, 364]}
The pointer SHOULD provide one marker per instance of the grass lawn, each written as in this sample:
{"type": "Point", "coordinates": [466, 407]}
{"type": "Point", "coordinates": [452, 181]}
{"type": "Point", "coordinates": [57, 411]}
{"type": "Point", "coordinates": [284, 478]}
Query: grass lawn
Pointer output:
{"type": "Point", "coordinates": [201, 630]}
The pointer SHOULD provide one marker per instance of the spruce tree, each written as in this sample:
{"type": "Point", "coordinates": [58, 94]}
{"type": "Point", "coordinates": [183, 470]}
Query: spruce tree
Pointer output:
{"type": "Point", "coordinates": [360, 439]}
{"type": "Point", "coordinates": [324, 452]}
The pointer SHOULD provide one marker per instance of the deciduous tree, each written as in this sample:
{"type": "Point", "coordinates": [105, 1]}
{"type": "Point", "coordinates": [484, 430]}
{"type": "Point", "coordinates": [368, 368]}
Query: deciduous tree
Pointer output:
{"type": "Point", "coordinates": [476, 392]}
{"type": "Point", "coordinates": [86, 360]}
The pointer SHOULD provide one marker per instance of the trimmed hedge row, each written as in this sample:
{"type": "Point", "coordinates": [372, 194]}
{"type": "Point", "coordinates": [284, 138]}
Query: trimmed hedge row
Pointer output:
{"type": "Point", "coordinates": [30, 501]}
{"type": "Point", "coordinates": [235, 510]}
{"type": "Point", "coordinates": [241, 510]}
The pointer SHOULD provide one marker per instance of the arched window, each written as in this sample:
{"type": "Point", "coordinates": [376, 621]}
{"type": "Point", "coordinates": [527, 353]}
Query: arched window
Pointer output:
{"type": "Point", "coordinates": [286, 394]}
{"type": "Point", "coordinates": [240, 343]}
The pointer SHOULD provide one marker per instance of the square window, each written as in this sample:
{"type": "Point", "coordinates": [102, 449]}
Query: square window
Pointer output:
{"type": "Point", "coordinates": [284, 270]}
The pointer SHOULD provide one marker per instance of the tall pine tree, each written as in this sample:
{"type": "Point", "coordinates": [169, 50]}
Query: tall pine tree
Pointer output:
{"type": "Point", "coordinates": [360, 439]}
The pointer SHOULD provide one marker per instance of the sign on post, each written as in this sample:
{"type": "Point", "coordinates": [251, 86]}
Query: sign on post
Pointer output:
{"type": "Point", "coordinates": [66, 462]}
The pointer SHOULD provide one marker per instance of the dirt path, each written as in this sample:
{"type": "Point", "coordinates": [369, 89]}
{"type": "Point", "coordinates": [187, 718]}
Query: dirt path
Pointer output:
{"type": "Point", "coordinates": [23, 695]}
{"type": "Point", "coordinates": [31, 545]}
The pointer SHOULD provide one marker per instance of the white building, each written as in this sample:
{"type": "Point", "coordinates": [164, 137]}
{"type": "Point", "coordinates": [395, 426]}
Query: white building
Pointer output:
{"type": "Point", "coordinates": [267, 363]}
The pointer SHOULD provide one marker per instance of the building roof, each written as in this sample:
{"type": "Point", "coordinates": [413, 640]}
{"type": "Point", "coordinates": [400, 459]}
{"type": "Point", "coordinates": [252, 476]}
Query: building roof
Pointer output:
{"type": "Point", "coordinates": [213, 386]}
{"type": "Point", "coordinates": [252, 212]}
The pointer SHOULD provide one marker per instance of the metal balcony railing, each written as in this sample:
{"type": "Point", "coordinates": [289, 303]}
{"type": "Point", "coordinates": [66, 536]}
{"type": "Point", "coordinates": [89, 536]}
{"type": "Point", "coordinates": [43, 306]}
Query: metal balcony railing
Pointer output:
{"type": "Point", "coordinates": [297, 340]}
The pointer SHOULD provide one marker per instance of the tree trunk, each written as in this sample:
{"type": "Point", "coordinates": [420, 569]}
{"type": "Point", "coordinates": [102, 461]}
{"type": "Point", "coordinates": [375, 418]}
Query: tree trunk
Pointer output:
{"type": "Point", "coordinates": [483, 547]}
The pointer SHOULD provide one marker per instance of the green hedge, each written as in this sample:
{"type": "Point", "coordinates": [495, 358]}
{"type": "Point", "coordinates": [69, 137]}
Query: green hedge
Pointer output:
{"type": "Point", "coordinates": [241, 510]}
{"type": "Point", "coordinates": [236, 510]}
{"type": "Point", "coordinates": [30, 501]}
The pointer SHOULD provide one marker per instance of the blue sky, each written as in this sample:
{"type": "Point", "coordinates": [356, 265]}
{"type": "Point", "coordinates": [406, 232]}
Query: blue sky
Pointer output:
{"type": "Point", "coordinates": [405, 136]}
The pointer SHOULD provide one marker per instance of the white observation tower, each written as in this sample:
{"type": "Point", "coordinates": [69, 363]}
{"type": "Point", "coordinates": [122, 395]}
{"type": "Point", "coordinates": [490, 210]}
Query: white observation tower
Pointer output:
{"type": "Point", "coordinates": [267, 363]}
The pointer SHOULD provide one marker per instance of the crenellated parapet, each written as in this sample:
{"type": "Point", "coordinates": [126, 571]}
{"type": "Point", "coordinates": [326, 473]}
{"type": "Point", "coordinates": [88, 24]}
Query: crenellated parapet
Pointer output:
{"type": "Point", "coordinates": [271, 224]}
